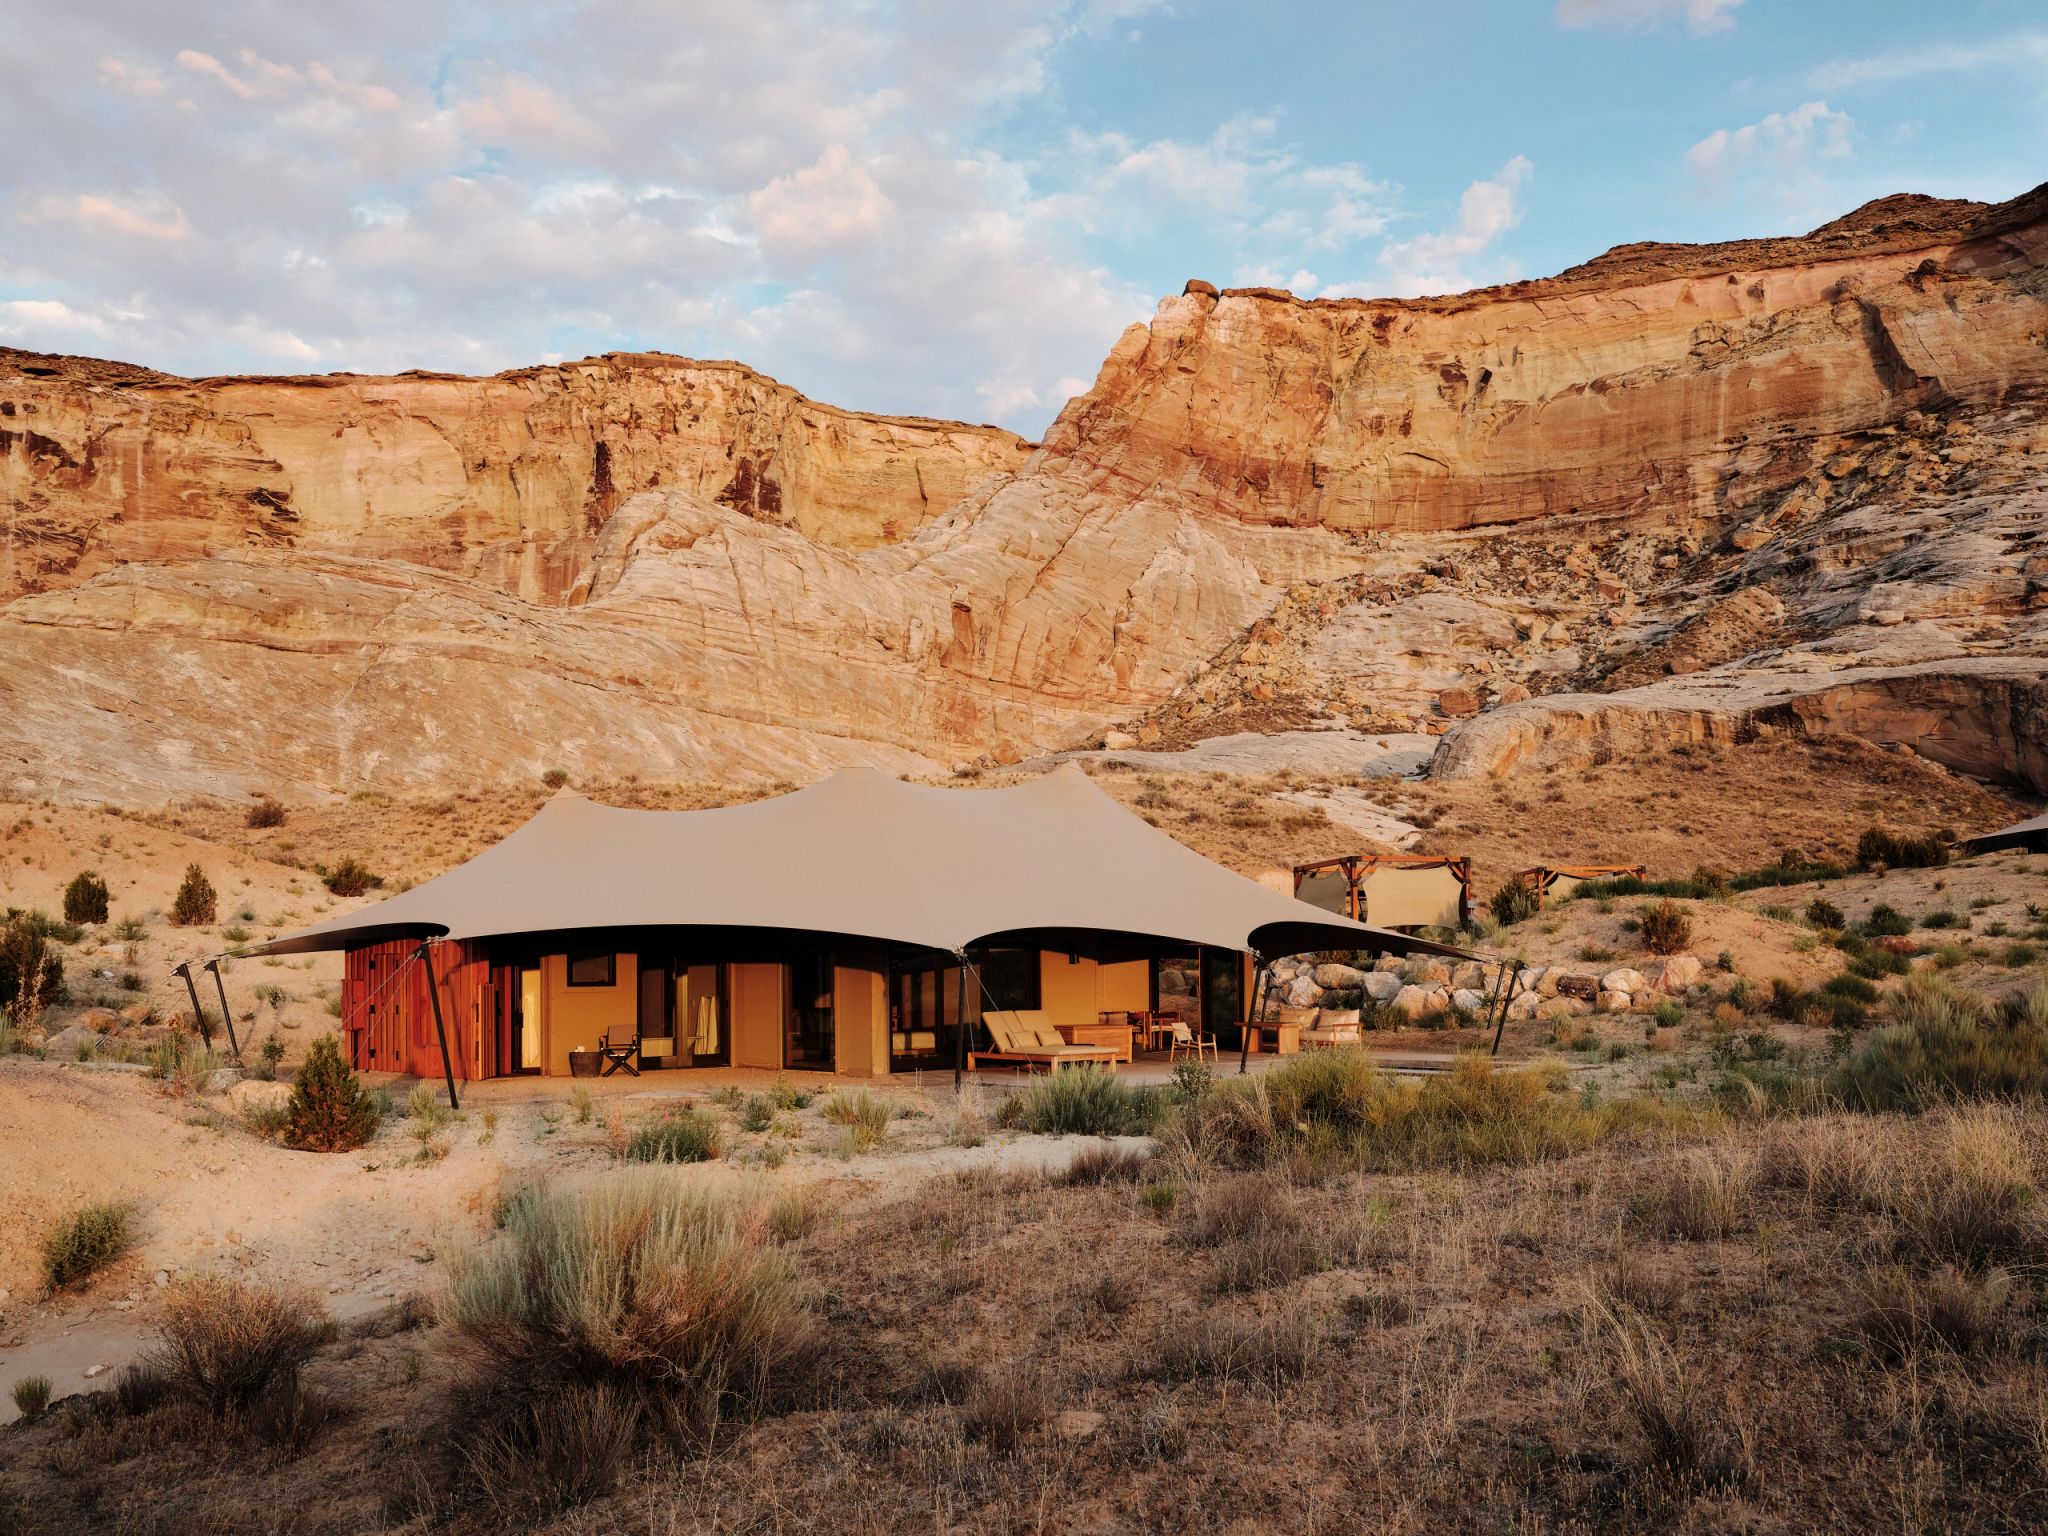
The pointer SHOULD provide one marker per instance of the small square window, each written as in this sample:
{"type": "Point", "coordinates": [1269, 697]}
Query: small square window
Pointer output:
{"type": "Point", "coordinates": [592, 968]}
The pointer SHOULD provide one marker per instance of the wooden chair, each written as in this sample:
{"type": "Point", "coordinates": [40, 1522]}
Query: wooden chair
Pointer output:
{"type": "Point", "coordinates": [1185, 1042]}
{"type": "Point", "coordinates": [619, 1056]}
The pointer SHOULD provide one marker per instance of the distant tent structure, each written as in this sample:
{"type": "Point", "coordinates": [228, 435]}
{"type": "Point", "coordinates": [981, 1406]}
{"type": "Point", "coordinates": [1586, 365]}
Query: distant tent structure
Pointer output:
{"type": "Point", "coordinates": [1397, 890]}
{"type": "Point", "coordinates": [861, 925]}
{"type": "Point", "coordinates": [1558, 881]}
{"type": "Point", "coordinates": [2030, 835]}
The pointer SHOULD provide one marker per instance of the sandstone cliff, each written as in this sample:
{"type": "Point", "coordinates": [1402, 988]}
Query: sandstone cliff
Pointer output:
{"type": "Point", "coordinates": [1667, 463]}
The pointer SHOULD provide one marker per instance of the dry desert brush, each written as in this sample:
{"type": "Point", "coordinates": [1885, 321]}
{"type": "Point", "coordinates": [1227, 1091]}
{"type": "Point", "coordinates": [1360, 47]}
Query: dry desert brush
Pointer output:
{"type": "Point", "coordinates": [1088, 1101]}
{"type": "Point", "coordinates": [229, 1345]}
{"type": "Point", "coordinates": [86, 1242]}
{"type": "Point", "coordinates": [679, 1301]}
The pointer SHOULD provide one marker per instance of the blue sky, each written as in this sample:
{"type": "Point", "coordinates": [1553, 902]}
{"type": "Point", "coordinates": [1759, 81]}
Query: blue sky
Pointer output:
{"type": "Point", "coordinates": [923, 206]}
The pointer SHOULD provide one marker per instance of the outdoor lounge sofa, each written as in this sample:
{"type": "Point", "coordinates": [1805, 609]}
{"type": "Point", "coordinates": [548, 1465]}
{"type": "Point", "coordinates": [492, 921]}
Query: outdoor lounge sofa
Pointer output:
{"type": "Point", "coordinates": [1024, 1037]}
{"type": "Point", "coordinates": [1332, 1027]}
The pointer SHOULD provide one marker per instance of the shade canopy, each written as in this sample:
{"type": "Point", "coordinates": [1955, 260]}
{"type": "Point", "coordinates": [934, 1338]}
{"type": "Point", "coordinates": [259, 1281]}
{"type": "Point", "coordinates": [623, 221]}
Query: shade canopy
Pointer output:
{"type": "Point", "coordinates": [2021, 834]}
{"type": "Point", "coordinates": [1053, 861]}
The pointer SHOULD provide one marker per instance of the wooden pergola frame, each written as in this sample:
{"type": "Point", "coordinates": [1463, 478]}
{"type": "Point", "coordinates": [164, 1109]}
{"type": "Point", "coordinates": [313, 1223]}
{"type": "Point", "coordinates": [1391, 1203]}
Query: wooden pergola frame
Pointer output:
{"type": "Point", "coordinates": [1543, 876]}
{"type": "Point", "coordinates": [1358, 867]}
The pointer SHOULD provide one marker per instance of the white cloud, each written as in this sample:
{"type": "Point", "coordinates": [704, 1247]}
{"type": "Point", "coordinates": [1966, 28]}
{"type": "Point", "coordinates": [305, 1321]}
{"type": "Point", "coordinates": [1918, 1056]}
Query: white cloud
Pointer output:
{"type": "Point", "coordinates": [1461, 257]}
{"type": "Point", "coordinates": [1777, 160]}
{"type": "Point", "coordinates": [830, 202]}
{"type": "Point", "coordinates": [107, 216]}
{"type": "Point", "coordinates": [21, 317]}
{"type": "Point", "coordinates": [2026, 50]}
{"type": "Point", "coordinates": [1697, 16]}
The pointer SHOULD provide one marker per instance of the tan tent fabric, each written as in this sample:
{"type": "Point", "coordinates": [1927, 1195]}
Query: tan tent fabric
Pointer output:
{"type": "Point", "coordinates": [861, 855]}
{"type": "Point", "coordinates": [2021, 834]}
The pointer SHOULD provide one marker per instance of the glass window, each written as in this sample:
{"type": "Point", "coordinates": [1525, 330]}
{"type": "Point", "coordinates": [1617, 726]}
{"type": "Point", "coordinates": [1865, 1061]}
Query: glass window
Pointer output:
{"type": "Point", "coordinates": [1010, 978]}
{"type": "Point", "coordinates": [589, 968]}
{"type": "Point", "coordinates": [809, 1038]}
{"type": "Point", "coordinates": [1176, 983]}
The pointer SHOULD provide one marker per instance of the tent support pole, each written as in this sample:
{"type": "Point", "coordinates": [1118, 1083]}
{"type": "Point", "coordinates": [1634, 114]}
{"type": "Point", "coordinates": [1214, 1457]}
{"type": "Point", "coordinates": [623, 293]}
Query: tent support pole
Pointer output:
{"type": "Point", "coordinates": [226, 1012]}
{"type": "Point", "coordinates": [1507, 986]}
{"type": "Point", "coordinates": [440, 1027]}
{"type": "Point", "coordinates": [184, 969]}
{"type": "Point", "coordinates": [960, 1028]}
{"type": "Point", "coordinates": [1244, 1044]}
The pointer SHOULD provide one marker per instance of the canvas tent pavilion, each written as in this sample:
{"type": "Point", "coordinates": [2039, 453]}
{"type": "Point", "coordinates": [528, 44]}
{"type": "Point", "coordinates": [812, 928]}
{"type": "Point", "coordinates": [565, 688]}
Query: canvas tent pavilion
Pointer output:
{"type": "Point", "coordinates": [859, 925]}
{"type": "Point", "coordinates": [1557, 881]}
{"type": "Point", "coordinates": [2031, 835]}
{"type": "Point", "coordinates": [1391, 890]}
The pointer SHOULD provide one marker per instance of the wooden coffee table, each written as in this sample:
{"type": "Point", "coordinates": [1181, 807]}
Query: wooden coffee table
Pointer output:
{"type": "Point", "coordinates": [1286, 1038]}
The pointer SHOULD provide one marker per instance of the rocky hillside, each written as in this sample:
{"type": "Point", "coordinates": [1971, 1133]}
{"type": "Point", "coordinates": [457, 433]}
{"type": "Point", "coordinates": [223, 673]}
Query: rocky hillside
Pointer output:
{"type": "Point", "coordinates": [1680, 492]}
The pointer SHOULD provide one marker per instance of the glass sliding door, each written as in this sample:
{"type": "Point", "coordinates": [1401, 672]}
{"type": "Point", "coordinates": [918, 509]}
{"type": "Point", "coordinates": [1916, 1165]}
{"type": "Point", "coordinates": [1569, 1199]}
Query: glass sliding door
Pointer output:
{"type": "Point", "coordinates": [1222, 992]}
{"type": "Point", "coordinates": [526, 1021]}
{"type": "Point", "coordinates": [1177, 984]}
{"type": "Point", "coordinates": [808, 1033]}
{"type": "Point", "coordinates": [702, 1038]}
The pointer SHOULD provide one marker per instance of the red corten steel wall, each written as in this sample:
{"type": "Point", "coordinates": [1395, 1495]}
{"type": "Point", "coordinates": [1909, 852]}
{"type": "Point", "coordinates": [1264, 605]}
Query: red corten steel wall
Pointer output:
{"type": "Point", "coordinates": [388, 1019]}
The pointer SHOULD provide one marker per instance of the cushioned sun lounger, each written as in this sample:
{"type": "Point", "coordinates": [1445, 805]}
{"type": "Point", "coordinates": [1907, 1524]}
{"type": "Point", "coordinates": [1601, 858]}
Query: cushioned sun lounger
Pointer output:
{"type": "Point", "coordinates": [1025, 1038]}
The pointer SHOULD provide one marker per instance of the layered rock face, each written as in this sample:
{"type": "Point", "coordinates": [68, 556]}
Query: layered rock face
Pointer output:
{"type": "Point", "coordinates": [508, 480]}
{"type": "Point", "coordinates": [1396, 515]}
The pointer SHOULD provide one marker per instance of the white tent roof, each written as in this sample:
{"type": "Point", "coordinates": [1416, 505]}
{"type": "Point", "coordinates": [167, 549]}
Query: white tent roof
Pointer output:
{"type": "Point", "coordinates": [2021, 834]}
{"type": "Point", "coordinates": [860, 855]}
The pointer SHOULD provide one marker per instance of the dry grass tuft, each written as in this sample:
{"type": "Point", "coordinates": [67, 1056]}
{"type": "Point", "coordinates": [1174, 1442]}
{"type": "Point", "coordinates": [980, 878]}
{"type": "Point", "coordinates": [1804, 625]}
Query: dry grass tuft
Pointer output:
{"type": "Point", "coordinates": [1106, 1164]}
{"type": "Point", "coordinates": [1267, 1350]}
{"type": "Point", "coordinates": [1705, 1197]}
{"type": "Point", "coordinates": [1001, 1410]}
{"type": "Point", "coordinates": [1901, 1313]}
{"type": "Point", "coordinates": [1681, 1432]}
{"type": "Point", "coordinates": [538, 1455]}
{"type": "Point", "coordinates": [226, 1344]}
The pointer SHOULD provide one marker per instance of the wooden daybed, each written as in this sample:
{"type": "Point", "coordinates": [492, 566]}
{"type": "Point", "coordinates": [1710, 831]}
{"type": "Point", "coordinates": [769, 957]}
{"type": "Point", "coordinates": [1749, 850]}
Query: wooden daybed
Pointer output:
{"type": "Point", "coordinates": [1025, 1038]}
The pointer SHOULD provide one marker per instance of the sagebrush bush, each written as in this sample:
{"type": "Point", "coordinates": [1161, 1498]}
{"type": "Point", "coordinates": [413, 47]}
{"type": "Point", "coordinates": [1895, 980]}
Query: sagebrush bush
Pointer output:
{"type": "Point", "coordinates": [672, 1297]}
{"type": "Point", "coordinates": [865, 1117]}
{"type": "Point", "coordinates": [266, 812]}
{"type": "Point", "coordinates": [535, 1455]}
{"type": "Point", "coordinates": [1887, 921]}
{"type": "Point", "coordinates": [689, 1137]}
{"type": "Point", "coordinates": [1941, 1045]}
{"type": "Point", "coordinates": [351, 877]}
{"type": "Point", "coordinates": [1512, 901]}
{"type": "Point", "coordinates": [32, 1395]}
{"type": "Point", "coordinates": [1705, 1197]}
{"type": "Point", "coordinates": [1824, 914]}
{"type": "Point", "coordinates": [226, 1343]}
{"type": "Point", "coordinates": [31, 970]}
{"type": "Point", "coordinates": [82, 1244]}
{"type": "Point", "coordinates": [1877, 846]}
{"type": "Point", "coordinates": [329, 1111]}
{"type": "Point", "coordinates": [1106, 1164]}
{"type": "Point", "coordinates": [85, 898]}
{"type": "Point", "coordinates": [197, 903]}
{"type": "Point", "coordinates": [1088, 1101]}
{"type": "Point", "coordinates": [1667, 930]}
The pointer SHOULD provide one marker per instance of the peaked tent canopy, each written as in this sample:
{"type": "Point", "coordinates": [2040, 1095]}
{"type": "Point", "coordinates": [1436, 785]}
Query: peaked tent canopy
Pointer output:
{"type": "Point", "coordinates": [2021, 834]}
{"type": "Point", "coordinates": [861, 855]}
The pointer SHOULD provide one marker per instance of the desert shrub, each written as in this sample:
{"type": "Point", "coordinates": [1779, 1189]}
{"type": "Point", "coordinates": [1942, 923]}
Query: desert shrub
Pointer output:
{"type": "Point", "coordinates": [1887, 921]}
{"type": "Point", "coordinates": [31, 1395]}
{"type": "Point", "coordinates": [865, 1117]}
{"type": "Point", "coordinates": [1857, 989]}
{"type": "Point", "coordinates": [1974, 1203]}
{"type": "Point", "coordinates": [1106, 1164]}
{"type": "Point", "coordinates": [784, 1093]}
{"type": "Point", "coordinates": [329, 1111]}
{"type": "Point", "coordinates": [1263, 1351]}
{"type": "Point", "coordinates": [31, 971]}
{"type": "Point", "coordinates": [1512, 901]}
{"type": "Point", "coordinates": [1088, 1101]}
{"type": "Point", "coordinates": [1944, 918]}
{"type": "Point", "coordinates": [1704, 1197]}
{"type": "Point", "coordinates": [689, 1137]}
{"type": "Point", "coordinates": [1335, 1108]}
{"type": "Point", "coordinates": [1877, 846]}
{"type": "Point", "coordinates": [82, 1244]}
{"type": "Point", "coordinates": [266, 812]}
{"type": "Point", "coordinates": [674, 1299]}
{"type": "Point", "coordinates": [1666, 928]}
{"type": "Point", "coordinates": [540, 1454]}
{"type": "Point", "coordinates": [1824, 914]}
{"type": "Point", "coordinates": [1670, 1013]}
{"type": "Point", "coordinates": [1902, 1313]}
{"type": "Point", "coordinates": [757, 1113]}
{"type": "Point", "coordinates": [196, 903]}
{"type": "Point", "coordinates": [226, 1343]}
{"type": "Point", "coordinates": [1002, 1409]}
{"type": "Point", "coordinates": [1837, 1161]}
{"type": "Point", "coordinates": [351, 877]}
{"type": "Point", "coordinates": [85, 898]}
{"type": "Point", "coordinates": [1258, 1232]}
{"type": "Point", "coordinates": [1941, 1044]}
{"type": "Point", "coordinates": [1193, 1078]}
{"type": "Point", "coordinates": [555, 778]}
{"type": "Point", "coordinates": [1677, 1422]}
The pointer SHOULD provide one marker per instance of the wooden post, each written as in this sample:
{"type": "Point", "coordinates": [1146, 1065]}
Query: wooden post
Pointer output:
{"type": "Point", "coordinates": [1506, 986]}
{"type": "Point", "coordinates": [440, 1028]}
{"type": "Point", "coordinates": [225, 1013]}
{"type": "Point", "coordinates": [1244, 1044]}
{"type": "Point", "coordinates": [184, 969]}
{"type": "Point", "coordinates": [960, 1026]}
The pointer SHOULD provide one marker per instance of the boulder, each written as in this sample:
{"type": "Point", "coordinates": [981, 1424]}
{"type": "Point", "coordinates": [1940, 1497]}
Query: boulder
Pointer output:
{"type": "Point", "coordinates": [66, 1042]}
{"type": "Point", "coordinates": [1469, 973]}
{"type": "Point", "coordinates": [1469, 1001]}
{"type": "Point", "coordinates": [1414, 1000]}
{"type": "Point", "coordinates": [101, 1021]}
{"type": "Point", "coordinates": [1333, 975]}
{"type": "Point", "coordinates": [222, 1080]}
{"type": "Point", "coordinates": [1118, 741]}
{"type": "Point", "coordinates": [1554, 1008]}
{"type": "Point", "coordinates": [1458, 702]}
{"type": "Point", "coordinates": [1524, 1005]}
{"type": "Point", "coordinates": [1624, 980]}
{"type": "Point", "coordinates": [1610, 1001]}
{"type": "Point", "coordinates": [138, 1013]}
{"type": "Point", "coordinates": [1435, 973]}
{"type": "Point", "coordinates": [1677, 973]}
{"type": "Point", "coordinates": [1387, 963]}
{"type": "Point", "coordinates": [1302, 992]}
{"type": "Point", "coordinates": [254, 1095]}
{"type": "Point", "coordinates": [1547, 984]}
{"type": "Point", "coordinates": [1381, 986]}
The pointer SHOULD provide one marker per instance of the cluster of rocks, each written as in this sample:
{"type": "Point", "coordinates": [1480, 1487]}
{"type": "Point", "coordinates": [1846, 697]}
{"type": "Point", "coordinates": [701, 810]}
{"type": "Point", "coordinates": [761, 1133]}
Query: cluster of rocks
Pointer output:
{"type": "Point", "coordinates": [1421, 985]}
{"type": "Point", "coordinates": [95, 1028]}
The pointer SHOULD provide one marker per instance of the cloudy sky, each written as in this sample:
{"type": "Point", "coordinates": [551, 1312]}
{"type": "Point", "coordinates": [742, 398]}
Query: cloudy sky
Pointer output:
{"type": "Point", "coordinates": [946, 207]}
